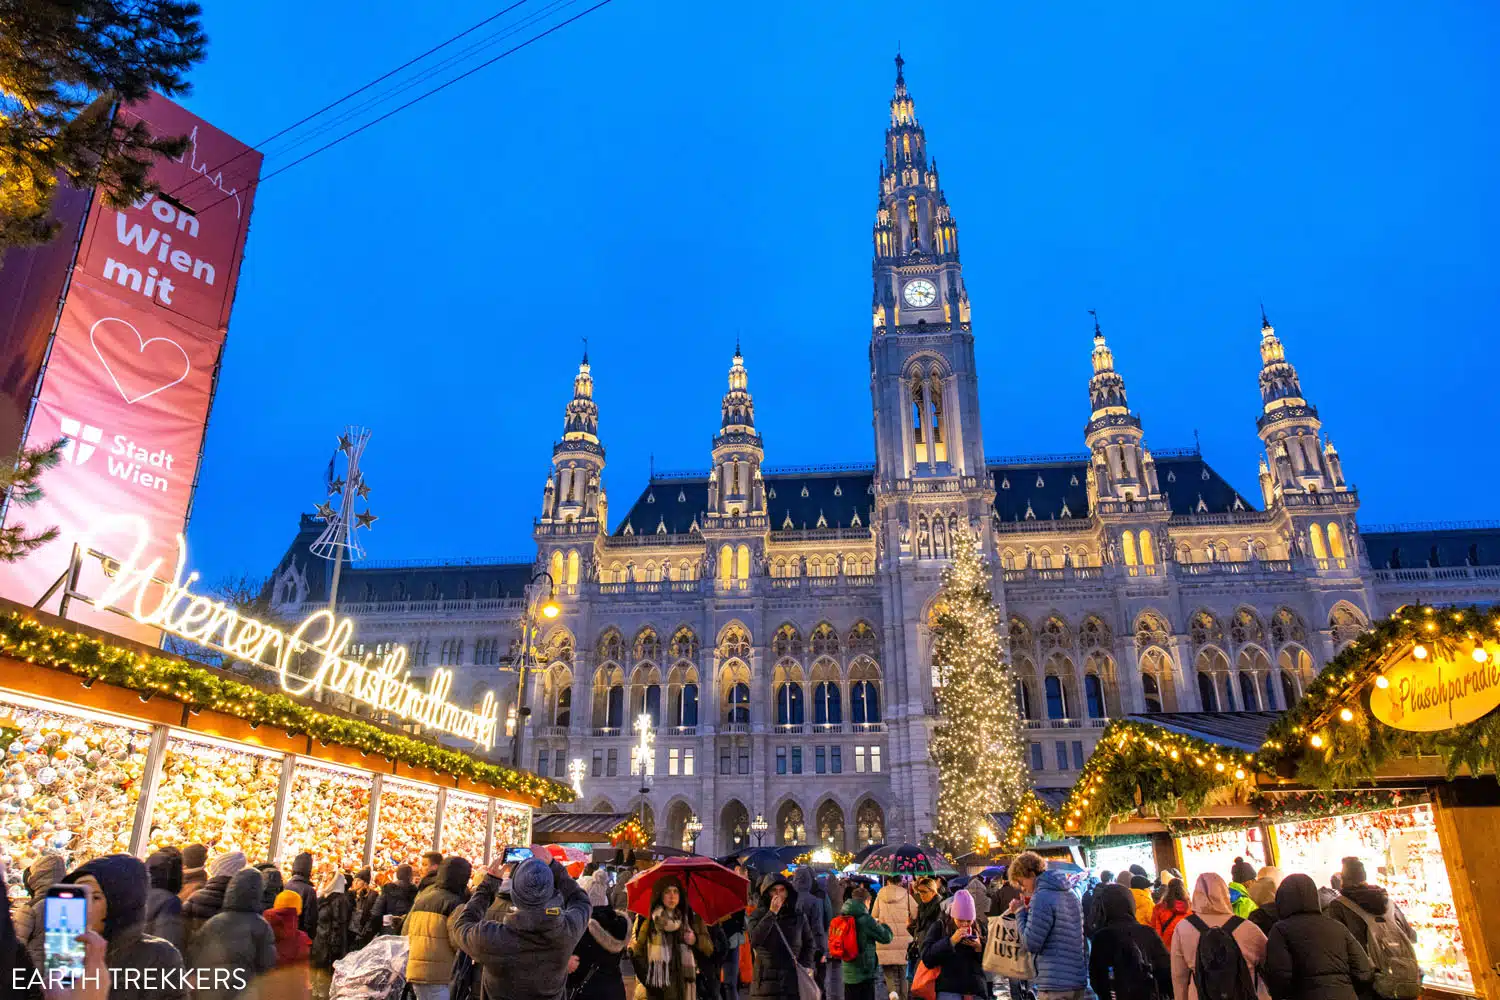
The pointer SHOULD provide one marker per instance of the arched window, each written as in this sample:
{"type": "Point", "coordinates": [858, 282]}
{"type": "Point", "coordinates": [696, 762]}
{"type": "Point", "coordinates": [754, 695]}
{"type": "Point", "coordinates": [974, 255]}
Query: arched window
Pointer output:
{"type": "Point", "coordinates": [684, 644]}
{"type": "Point", "coordinates": [1127, 547]}
{"type": "Point", "coordinates": [1148, 549]}
{"type": "Point", "coordinates": [1023, 700]}
{"type": "Point", "coordinates": [828, 703]}
{"type": "Point", "coordinates": [825, 641]}
{"type": "Point", "coordinates": [1057, 702]}
{"type": "Point", "coordinates": [647, 646]}
{"type": "Point", "coordinates": [789, 704]}
{"type": "Point", "coordinates": [610, 645]}
{"type": "Point", "coordinates": [615, 714]}
{"type": "Point", "coordinates": [869, 823]}
{"type": "Point", "coordinates": [557, 567]}
{"type": "Point", "coordinates": [734, 641]}
{"type": "Point", "coordinates": [572, 567]}
{"type": "Point", "coordinates": [726, 562]}
{"type": "Point", "coordinates": [738, 704]}
{"type": "Point", "coordinates": [1270, 684]}
{"type": "Point", "coordinates": [1288, 688]}
{"type": "Point", "coordinates": [864, 702]}
{"type": "Point", "coordinates": [689, 713]}
{"type": "Point", "coordinates": [1093, 693]}
{"type": "Point", "coordinates": [1206, 692]}
{"type": "Point", "coordinates": [1315, 533]}
{"type": "Point", "coordinates": [1247, 693]}
{"type": "Point", "coordinates": [1152, 690]}
{"type": "Point", "coordinates": [563, 715]}
{"type": "Point", "coordinates": [1335, 540]}
{"type": "Point", "coordinates": [742, 562]}
{"type": "Point", "coordinates": [1044, 558]}
{"type": "Point", "coordinates": [862, 638]}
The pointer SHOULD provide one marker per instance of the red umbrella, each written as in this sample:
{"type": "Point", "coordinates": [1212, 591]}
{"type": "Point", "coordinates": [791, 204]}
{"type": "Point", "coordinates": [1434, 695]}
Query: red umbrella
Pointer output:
{"type": "Point", "coordinates": [572, 858]}
{"type": "Point", "coordinates": [712, 890]}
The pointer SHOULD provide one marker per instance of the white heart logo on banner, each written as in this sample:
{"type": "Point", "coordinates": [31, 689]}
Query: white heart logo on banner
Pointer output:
{"type": "Point", "coordinates": [149, 365]}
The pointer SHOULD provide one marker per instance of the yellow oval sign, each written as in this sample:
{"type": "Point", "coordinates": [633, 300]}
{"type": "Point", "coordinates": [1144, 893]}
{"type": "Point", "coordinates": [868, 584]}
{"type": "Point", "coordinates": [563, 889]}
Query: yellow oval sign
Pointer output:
{"type": "Point", "coordinates": [1438, 692]}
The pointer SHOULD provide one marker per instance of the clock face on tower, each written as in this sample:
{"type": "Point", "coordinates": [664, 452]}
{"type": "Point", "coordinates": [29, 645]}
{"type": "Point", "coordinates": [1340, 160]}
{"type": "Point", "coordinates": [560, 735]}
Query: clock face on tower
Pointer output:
{"type": "Point", "coordinates": [919, 293]}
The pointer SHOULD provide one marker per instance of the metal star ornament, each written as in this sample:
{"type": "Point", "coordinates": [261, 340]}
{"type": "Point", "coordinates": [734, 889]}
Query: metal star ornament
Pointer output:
{"type": "Point", "coordinates": [365, 519]}
{"type": "Point", "coordinates": [325, 511]}
{"type": "Point", "coordinates": [363, 490]}
{"type": "Point", "coordinates": [345, 444]}
{"type": "Point", "coordinates": [335, 487]}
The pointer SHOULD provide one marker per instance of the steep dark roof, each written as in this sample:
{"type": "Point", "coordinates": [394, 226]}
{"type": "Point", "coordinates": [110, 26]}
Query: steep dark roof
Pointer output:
{"type": "Point", "coordinates": [566, 822]}
{"type": "Point", "coordinates": [1241, 730]}
{"type": "Point", "coordinates": [674, 501]}
{"type": "Point", "coordinates": [1418, 545]}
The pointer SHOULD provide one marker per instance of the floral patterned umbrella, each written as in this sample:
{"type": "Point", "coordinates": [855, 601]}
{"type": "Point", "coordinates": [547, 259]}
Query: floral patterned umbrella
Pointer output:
{"type": "Point", "coordinates": [909, 860]}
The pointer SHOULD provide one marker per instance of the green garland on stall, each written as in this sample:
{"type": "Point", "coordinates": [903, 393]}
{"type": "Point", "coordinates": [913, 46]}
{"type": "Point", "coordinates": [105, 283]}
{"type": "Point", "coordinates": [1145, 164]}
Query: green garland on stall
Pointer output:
{"type": "Point", "coordinates": [93, 659]}
{"type": "Point", "coordinates": [1325, 750]}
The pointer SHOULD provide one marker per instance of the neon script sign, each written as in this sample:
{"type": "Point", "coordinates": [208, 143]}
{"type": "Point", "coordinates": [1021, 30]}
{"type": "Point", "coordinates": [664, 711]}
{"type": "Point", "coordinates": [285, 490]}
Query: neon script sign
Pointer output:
{"type": "Point", "coordinates": [309, 658]}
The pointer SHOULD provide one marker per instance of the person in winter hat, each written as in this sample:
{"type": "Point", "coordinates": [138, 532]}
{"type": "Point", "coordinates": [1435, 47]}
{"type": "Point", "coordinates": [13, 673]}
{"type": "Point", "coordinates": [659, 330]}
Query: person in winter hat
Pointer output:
{"type": "Point", "coordinates": [860, 973]}
{"type": "Point", "coordinates": [429, 962]}
{"type": "Point", "coordinates": [596, 974]}
{"type": "Point", "coordinates": [1051, 927]}
{"type": "Point", "coordinates": [394, 903]}
{"type": "Point", "coordinates": [271, 875]}
{"type": "Point", "coordinates": [1171, 911]}
{"type": "Point", "coordinates": [1241, 874]}
{"type": "Point", "coordinates": [163, 908]}
{"type": "Point", "coordinates": [1263, 892]}
{"type": "Point", "coordinates": [290, 979]}
{"type": "Point", "coordinates": [782, 939]}
{"type": "Point", "coordinates": [207, 901]}
{"type": "Point", "coordinates": [365, 895]}
{"type": "Point", "coordinates": [45, 872]}
{"type": "Point", "coordinates": [527, 956]}
{"type": "Point", "coordinates": [669, 945]}
{"type": "Point", "coordinates": [1310, 956]}
{"type": "Point", "coordinates": [1126, 958]}
{"type": "Point", "coordinates": [1145, 905]}
{"type": "Point", "coordinates": [954, 946]}
{"type": "Point", "coordinates": [1210, 905]}
{"type": "Point", "coordinates": [301, 884]}
{"type": "Point", "coordinates": [894, 907]}
{"type": "Point", "coordinates": [194, 870]}
{"type": "Point", "coordinates": [237, 940]}
{"type": "Point", "coordinates": [1357, 894]}
{"type": "Point", "coordinates": [331, 942]}
{"type": "Point", "coordinates": [117, 888]}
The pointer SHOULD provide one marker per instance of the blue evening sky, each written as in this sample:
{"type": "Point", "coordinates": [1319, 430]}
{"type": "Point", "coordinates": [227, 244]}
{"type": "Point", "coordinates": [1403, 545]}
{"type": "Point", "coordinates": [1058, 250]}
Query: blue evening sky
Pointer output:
{"type": "Point", "coordinates": [663, 176]}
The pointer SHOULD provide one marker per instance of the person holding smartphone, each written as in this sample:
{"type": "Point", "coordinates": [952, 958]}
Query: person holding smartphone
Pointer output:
{"type": "Point", "coordinates": [116, 886]}
{"type": "Point", "coordinates": [954, 946]}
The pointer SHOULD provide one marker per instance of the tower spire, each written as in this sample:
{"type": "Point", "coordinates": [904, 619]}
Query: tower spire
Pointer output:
{"type": "Point", "coordinates": [1123, 467]}
{"type": "Point", "coordinates": [736, 488]}
{"type": "Point", "coordinates": [1289, 426]}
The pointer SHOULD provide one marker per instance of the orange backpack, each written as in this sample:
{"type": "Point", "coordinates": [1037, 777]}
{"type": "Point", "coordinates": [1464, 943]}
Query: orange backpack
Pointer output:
{"type": "Point", "coordinates": [843, 938]}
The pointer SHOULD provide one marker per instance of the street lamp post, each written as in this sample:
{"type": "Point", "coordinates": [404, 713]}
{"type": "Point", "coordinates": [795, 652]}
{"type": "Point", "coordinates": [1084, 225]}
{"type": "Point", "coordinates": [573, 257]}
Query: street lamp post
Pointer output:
{"type": "Point", "coordinates": [694, 828]}
{"type": "Point", "coordinates": [759, 826]}
{"type": "Point", "coordinates": [548, 609]}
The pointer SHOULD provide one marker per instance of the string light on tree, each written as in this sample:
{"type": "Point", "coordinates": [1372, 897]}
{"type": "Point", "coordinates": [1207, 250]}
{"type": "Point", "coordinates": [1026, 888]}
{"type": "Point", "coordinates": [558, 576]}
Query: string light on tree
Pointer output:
{"type": "Point", "coordinates": [977, 746]}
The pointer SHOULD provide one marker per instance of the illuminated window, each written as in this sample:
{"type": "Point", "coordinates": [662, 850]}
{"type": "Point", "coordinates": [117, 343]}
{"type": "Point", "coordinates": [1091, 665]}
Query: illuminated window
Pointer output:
{"type": "Point", "coordinates": [1127, 546]}
{"type": "Point", "coordinates": [859, 760]}
{"type": "Point", "coordinates": [874, 760]}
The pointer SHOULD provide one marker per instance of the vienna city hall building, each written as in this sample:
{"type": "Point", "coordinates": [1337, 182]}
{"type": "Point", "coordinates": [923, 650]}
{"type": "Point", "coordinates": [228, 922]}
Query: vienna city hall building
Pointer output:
{"type": "Point", "coordinates": [774, 622]}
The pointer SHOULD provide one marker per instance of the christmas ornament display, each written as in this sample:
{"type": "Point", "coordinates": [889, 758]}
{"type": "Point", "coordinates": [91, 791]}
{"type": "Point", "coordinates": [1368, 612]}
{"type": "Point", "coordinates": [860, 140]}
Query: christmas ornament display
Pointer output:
{"type": "Point", "coordinates": [465, 820]}
{"type": "Point", "coordinates": [512, 826]}
{"type": "Point", "coordinates": [1215, 852]}
{"type": "Point", "coordinates": [68, 785]}
{"type": "Point", "coordinates": [408, 819]}
{"type": "Point", "coordinates": [327, 813]}
{"type": "Point", "coordinates": [217, 796]}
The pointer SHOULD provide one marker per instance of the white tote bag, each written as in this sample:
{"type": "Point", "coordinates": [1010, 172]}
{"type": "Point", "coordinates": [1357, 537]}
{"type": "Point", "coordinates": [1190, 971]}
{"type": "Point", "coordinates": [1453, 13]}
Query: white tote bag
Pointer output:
{"type": "Point", "coordinates": [1004, 954]}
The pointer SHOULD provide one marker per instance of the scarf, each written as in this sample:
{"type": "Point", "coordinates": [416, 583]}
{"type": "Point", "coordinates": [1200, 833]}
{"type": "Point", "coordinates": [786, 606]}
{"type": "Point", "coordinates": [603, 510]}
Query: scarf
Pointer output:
{"type": "Point", "coordinates": [664, 944]}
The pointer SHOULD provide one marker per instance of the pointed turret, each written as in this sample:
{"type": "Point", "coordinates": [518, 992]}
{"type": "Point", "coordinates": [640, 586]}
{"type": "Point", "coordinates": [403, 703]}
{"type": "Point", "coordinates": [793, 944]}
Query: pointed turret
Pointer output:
{"type": "Point", "coordinates": [573, 493]}
{"type": "Point", "coordinates": [1289, 427]}
{"type": "Point", "coordinates": [1123, 469]}
{"type": "Point", "coordinates": [736, 489]}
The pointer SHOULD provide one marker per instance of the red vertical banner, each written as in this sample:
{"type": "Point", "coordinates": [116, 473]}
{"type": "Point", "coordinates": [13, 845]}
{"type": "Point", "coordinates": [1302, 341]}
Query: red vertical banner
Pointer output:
{"type": "Point", "coordinates": [131, 373]}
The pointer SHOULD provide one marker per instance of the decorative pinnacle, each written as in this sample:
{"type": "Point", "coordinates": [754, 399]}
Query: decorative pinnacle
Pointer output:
{"type": "Point", "coordinates": [900, 79]}
{"type": "Point", "coordinates": [585, 350]}
{"type": "Point", "coordinates": [1097, 332]}
{"type": "Point", "coordinates": [1265, 324]}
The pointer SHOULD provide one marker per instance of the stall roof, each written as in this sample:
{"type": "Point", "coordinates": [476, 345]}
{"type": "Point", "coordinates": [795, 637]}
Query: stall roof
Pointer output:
{"type": "Point", "coordinates": [1241, 730]}
{"type": "Point", "coordinates": [588, 824]}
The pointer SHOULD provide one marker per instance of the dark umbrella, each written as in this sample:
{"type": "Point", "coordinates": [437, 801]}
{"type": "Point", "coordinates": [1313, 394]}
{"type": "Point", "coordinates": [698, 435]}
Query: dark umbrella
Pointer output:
{"type": "Point", "coordinates": [709, 889]}
{"type": "Point", "coordinates": [1066, 867]}
{"type": "Point", "coordinates": [865, 852]}
{"type": "Point", "coordinates": [907, 859]}
{"type": "Point", "coordinates": [993, 871]}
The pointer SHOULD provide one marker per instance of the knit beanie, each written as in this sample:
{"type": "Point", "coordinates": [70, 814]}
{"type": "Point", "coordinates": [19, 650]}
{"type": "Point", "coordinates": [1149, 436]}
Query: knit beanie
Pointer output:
{"type": "Point", "coordinates": [963, 906]}
{"type": "Point", "coordinates": [288, 899]}
{"type": "Point", "coordinates": [1242, 872]}
{"type": "Point", "coordinates": [227, 864]}
{"type": "Point", "coordinates": [1353, 872]}
{"type": "Point", "coordinates": [532, 884]}
{"type": "Point", "coordinates": [194, 856]}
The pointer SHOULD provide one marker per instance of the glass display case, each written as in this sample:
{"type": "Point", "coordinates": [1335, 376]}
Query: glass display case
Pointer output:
{"type": "Point", "coordinates": [466, 820]}
{"type": "Point", "coordinates": [512, 826]}
{"type": "Point", "coordinates": [216, 794]}
{"type": "Point", "coordinates": [407, 823]}
{"type": "Point", "coordinates": [1215, 852]}
{"type": "Point", "coordinates": [327, 813]}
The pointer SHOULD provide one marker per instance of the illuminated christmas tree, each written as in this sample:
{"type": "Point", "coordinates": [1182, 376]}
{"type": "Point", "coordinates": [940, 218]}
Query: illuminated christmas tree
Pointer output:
{"type": "Point", "coordinates": [977, 746]}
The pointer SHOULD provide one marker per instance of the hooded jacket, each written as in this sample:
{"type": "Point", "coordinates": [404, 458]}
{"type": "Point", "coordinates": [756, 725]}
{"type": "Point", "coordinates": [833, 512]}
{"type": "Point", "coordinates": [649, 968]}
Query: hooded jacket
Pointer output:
{"type": "Point", "coordinates": [1310, 956]}
{"type": "Point", "coordinates": [273, 884]}
{"type": "Point", "coordinates": [1373, 900]}
{"type": "Point", "coordinates": [289, 980]}
{"type": "Point", "coordinates": [1112, 957]}
{"type": "Point", "coordinates": [1145, 904]}
{"type": "Point", "coordinates": [396, 899]}
{"type": "Point", "coordinates": [896, 908]}
{"type": "Point", "coordinates": [301, 884]}
{"type": "Point", "coordinates": [45, 872]}
{"type": "Point", "coordinates": [203, 905]}
{"type": "Point", "coordinates": [1239, 900]}
{"type": "Point", "coordinates": [811, 908]}
{"type": "Point", "coordinates": [158, 965]}
{"type": "Point", "coordinates": [331, 942]}
{"type": "Point", "coordinates": [1211, 905]}
{"type": "Point", "coordinates": [1166, 916]}
{"type": "Point", "coordinates": [237, 939]}
{"type": "Point", "coordinates": [526, 957]}
{"type": "Point", "coordinates": [775, 975]}
{"type": "Point", "coordinates": [163, 908]}
{"type": "Point", "coordinates": [871, 934]}
{"type": "Point", "coordinates": [599, 976]}
{"type": "Point", "coordinates": [431, 954]}
{"type": "Point", "coordinates": [960, 967]}
{"type": "Point", "coordinates": [1052, 930]}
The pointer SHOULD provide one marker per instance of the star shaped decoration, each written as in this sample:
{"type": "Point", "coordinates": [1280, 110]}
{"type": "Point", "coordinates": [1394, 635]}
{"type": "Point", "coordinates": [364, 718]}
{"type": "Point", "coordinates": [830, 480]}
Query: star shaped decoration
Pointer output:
{"type": "Point", "coordinates": [363, 490]}
{"type": "Point", "coordinates": [337, 486]}
{"type": "Point", "coordinates": [325, 511]}
{"type": "Point", "coordinates": [365, 519]}
{"type": "Point", "coordinates": [345, 445]}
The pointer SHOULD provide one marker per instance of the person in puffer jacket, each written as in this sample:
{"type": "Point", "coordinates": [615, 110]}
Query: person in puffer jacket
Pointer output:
{"type": "Point", "coordinates": [895, 908]}
{"type": "Point", "coordinates": [598, 974]}
{"type": "Point", "coordinates": [301, 884]}
{"type": "Point", "coordinates": [861, 972]}
{"type": "Point", "coordinates": [207, 901]}
{"type": "Point", "coordinates": [811, 909]}
{"type": "Point", "coordinates": [45, 872]}
{"type": "Point", "coordinates": [1051, 927]}
{"type": "Point", "coordinates": [429, 962]}
{"type": "Point", "coordinates": [237, 940]}
{"type": "Point", "coordinates": [396, 899]}
{"type": "Point", "coordinates": [163, 908]}
{"type": "Point", "coordinates": [331, 942]}
{"type": "Point", "coordinates": [1310, 956]}
{"type": "Point", "coordinates": [1210, 905]}
{"type": "Point", "coordinates": [1145, 903]}
{"type": "Point", "coordinates": [289, 980]}
{"type": "Point", "coordinates": [1241, 874]}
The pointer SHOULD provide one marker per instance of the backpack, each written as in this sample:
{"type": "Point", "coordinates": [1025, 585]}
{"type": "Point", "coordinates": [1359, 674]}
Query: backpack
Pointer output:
{"type": "Point", "coordinates": [843, 938]}
{"type": "Point", "coordinates": [1219, 969]}
{"type": "Point", "coordinates": [1134, 977]}
{"type": "Point", "coordinates": [465, 981]}
{"type": "Point", "coordinates": [1397, 974]}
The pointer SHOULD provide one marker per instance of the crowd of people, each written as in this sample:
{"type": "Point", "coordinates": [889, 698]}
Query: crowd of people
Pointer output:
{"type": "Point", "coordinates": [528, 931]}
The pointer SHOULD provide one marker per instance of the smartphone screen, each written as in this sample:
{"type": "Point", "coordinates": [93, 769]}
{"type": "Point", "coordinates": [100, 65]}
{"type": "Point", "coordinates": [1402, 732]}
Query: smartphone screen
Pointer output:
{"type": "Point", "coordinates": [64, 917]}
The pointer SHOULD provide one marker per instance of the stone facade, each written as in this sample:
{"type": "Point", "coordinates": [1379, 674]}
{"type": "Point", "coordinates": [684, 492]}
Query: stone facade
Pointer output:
{"type": "Point", "coordinates": [774, 623]}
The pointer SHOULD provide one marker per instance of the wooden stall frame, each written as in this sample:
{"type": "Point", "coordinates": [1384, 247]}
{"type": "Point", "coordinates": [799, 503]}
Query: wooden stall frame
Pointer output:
{"type": "Point", "coordinates": [1471, 853]}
